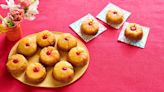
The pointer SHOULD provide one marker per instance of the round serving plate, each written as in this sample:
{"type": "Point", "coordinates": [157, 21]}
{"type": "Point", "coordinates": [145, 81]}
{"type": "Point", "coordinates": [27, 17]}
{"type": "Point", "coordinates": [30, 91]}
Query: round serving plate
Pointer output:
{"type": "Point", "coordinates": [49, 81]}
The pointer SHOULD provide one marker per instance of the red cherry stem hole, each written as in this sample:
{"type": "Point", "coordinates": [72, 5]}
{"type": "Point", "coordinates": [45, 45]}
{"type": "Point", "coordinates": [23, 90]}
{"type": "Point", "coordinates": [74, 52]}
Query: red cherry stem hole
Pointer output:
{"type": "Point", "coordinates": [49, 52]}
{"type": "Point", "coordinates": [133, 28]}
{"type": "Point", "coordinates": [15, 61]}
{"type": "Point", "coordinates": [45, 37]}
{"type": "Point", "coordinates": [36, 69]}
{"type": "Point", "coordinates": [64, 68]}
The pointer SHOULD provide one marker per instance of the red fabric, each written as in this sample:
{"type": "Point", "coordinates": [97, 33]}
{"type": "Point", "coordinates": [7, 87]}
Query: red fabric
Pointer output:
{"type": "Point", "coordinates": [114, 66]}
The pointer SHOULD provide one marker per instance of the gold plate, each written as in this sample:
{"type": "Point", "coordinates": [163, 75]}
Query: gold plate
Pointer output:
{"type": "Point", "coordinates": [49, 81]}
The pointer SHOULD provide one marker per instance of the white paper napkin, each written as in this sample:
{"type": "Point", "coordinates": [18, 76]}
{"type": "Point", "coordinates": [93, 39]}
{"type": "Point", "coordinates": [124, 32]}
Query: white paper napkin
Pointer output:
{"type": "Point", "coordinates": [141, 43]}
{"type": "Point", "coordinates": [102, 15]}
{"type": "Point", "coordinates": [76, 26]}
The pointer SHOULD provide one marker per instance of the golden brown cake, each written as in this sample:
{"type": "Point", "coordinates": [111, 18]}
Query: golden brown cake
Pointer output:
{"type": "Point", "coordinates": [63, 71]}
{"type": "Point", "coordinates": [114, 16]}
{"type": "Point", "coordinates": [78, 56]}
{"type": "Point", "coordinates": [66, 41]}
{"type": "Point", "coordinates": [27, 46]}
{"type": "Point", "coordinates": [89, 27]}
{"type": "Point", "coordinates": [35, 73]}
{"type": "Point", "coordinates": [45, 38]}
{"type": "Point", "coordinates": [49, 56]}
{"type": "Point", "coordinates": [17, 64]}
{"type": "Point", "coordinates": [133, 31]}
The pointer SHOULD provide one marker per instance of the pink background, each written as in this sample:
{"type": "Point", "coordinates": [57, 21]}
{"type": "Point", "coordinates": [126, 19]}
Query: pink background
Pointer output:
{"type": "Point", "coordinates": [114, 66]}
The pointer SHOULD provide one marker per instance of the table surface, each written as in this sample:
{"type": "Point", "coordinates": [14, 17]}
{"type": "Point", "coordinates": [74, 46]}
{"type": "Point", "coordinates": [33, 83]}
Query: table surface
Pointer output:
{"type": "Point", "coordinates": [114, 66]}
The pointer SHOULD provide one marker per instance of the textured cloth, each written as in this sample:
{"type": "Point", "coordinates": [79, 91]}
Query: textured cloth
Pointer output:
{"type": "Point", "coordinates": [114, 66]}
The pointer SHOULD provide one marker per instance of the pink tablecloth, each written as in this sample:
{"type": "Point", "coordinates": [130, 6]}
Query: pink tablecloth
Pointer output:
{"type": "Point", "coordinates": [114, 66]}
